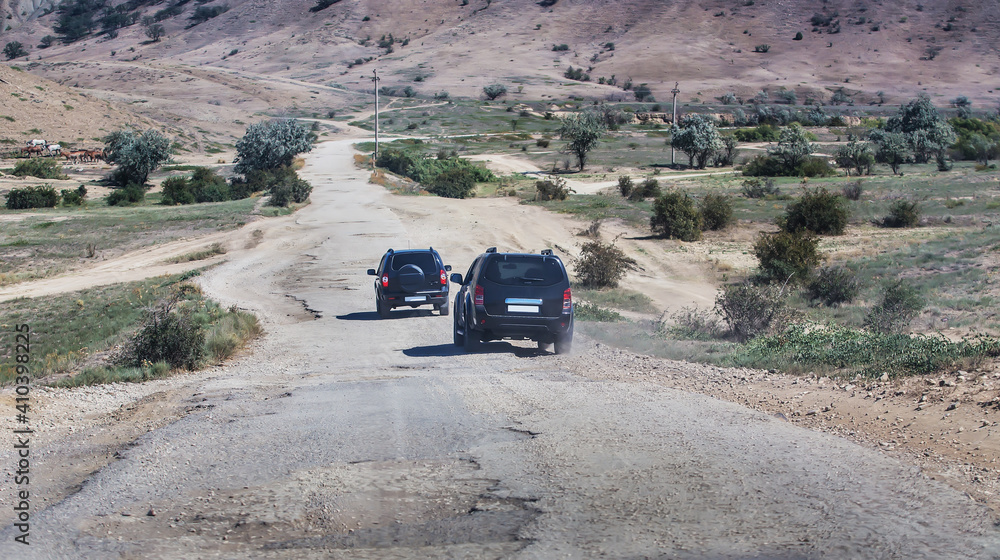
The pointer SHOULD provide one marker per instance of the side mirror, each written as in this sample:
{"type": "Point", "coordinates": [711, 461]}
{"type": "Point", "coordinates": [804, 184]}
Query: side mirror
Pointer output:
{"type": "Point", "coordinates": [447, 267]}
{"type": "Point", "coordinates": [457, 278]}
{"type": "Point", "coordinates": [371, 272]}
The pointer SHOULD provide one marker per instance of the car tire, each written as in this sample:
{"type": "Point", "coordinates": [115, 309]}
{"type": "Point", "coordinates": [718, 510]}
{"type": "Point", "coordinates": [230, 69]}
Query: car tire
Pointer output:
{"type": "Point", "coordinates": [458, 338]}
{"type": "Point", "coordinates": [443, 309]}
{"type": "Point", "coordinates": [564, 343]}
{"type": "Point", "coordinates": [383, 308]}
{"type": "Point", "coordinates": [544, 346]}
{"type": "Point", "coordinates": [471, 339]}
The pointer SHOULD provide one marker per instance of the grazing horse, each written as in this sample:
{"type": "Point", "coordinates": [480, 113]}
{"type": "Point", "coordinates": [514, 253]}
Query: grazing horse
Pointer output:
{"type": "Point", "coordinates": [28, 150]}
{"type": "Point", "coordinates": [95, 155]}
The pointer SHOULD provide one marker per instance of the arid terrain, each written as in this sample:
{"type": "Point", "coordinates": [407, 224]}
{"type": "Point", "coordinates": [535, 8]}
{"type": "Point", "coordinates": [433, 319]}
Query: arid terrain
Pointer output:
{"type": "Point", "coordinates": [339, 435]}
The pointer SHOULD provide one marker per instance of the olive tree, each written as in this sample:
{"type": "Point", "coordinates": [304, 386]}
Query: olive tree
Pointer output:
{"type": "Point", "coordinates": [271, 145]}
{"type": "Point", "coordinates": [857, 156]}
{"type": "Point", "coordinates": [136, 154]}
{"type": "Point", "coordinates": [793, 147]}
{"type": "Point", "coordinates": [926, 131]}
{"type": "Point", "coordinates": [698, 138]}
{"type": "Point", "coordinates": [493, 91]}
{"type": "Point", "coordinates": [582, 131]}
{"type": "Point", "coordinates": [891, 148]}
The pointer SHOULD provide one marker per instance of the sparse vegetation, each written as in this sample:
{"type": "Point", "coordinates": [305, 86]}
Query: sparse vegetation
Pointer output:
{"type": "Point", "coordinates": [39, 167]}
{"type": "Point", "coordinates": [750, 310]}
{"type": "Point", "coordinates": [676, 217]}
{"type": "Point", "coordinates": [897, 306]}
{"type": "Point", "coordinates": [902, 214]}
{"type": "Point", "coordinates": [786, 257]}
{"type": "Point", "coordinates": [14, 49]}
{"type": "Point", "coordinates": [42, 196]}
{"type": "Point", "coordinates": [833, 286]}
{"type": "Point", "coordinates": [494, 91]}
{"type": "Point", "coordinates": [818, 211]}
{"type": "Point", "coordinates": [552, 189]}
{"type": "Point", "coordinates": [602, 265]}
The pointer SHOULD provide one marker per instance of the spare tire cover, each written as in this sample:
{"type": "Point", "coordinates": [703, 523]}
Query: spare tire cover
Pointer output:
{"type": "Point", "coordinates": [411, 278]}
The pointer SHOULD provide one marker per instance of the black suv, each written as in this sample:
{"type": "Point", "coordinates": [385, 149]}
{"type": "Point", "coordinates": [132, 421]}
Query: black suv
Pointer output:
{"type": "Point", "coordinates": [410, 278]}
{"type": "Point", "coordinates": [516, 296]}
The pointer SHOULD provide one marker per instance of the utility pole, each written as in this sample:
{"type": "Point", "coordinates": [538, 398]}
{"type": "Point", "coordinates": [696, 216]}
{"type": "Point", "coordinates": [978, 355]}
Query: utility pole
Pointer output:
{"type": "Point", "coordinates": [375, 79]}
{"type": "Point", "coordinates": [674, 91]}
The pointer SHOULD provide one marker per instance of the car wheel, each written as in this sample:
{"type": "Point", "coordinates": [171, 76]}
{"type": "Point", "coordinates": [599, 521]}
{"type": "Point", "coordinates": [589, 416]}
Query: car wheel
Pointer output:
{"type": "Point", "coordinates": [443, 309]}
{"type": "Point", "coordinates": [459, 338]}
{"type": "Point", "coordinates": [383, 308]}
{"type": "Point", "coordinates": [471, 339]}
{"type": "Point", "coordinates": [544, 346]}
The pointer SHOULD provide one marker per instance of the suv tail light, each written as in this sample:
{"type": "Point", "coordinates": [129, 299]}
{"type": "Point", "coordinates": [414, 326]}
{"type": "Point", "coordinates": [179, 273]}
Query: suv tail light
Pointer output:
{"type": "Point", "coordinates": [444, 278]}
{"type": "Point", "coordinates": [480, 294]}
{"type": "Point", "coordinates": [385, 280]}
{"type": "Point", "coordinates": [567, 301]}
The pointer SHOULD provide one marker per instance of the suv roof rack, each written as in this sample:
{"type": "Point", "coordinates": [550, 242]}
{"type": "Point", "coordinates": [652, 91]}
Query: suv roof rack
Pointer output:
{"type": "Point", "coordinates": [547, 252]}
{"type": "Point", "coordinates": [491, 250]}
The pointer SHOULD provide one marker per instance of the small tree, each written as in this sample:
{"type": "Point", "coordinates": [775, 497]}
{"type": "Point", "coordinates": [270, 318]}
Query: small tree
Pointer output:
{"type": "Point", "coordinates": [583, 131]}
{"type": "Point", "coordinates": [698, 138]}
{"type": "Point", "coordinates": [891, 148]}
{"type": "Point", "coordinates": [14, 49]}
{"type": "Point", "coordinates": [155, 32]}
{"type": "Point", "coordinates": [676, 217]}
{"type": "Point", "coordinates": [136, 154]}
{"type": "Point", "coordinates": [793, 147]}
{"type": "Point", "coordinates": [270, 145]}
{"type": "Point", "coordinates": [494, 91]}
{"type": "Point", "coordinates": [602, 266]}
{"type": "Point", "coordinates": [856, 156]}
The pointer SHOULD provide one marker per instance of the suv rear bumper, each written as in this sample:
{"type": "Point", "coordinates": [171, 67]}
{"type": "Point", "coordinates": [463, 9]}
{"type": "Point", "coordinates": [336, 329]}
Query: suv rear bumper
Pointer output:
{"type": "Point", "coordinates": [400, 299]}
{"type": "Point", "coordinates": [542, 329]}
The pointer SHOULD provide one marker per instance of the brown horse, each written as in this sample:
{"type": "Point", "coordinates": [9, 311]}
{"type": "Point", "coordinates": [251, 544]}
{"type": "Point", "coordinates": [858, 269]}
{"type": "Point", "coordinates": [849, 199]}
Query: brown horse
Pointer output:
{"type": "Point", "coordinates": [28, 150]}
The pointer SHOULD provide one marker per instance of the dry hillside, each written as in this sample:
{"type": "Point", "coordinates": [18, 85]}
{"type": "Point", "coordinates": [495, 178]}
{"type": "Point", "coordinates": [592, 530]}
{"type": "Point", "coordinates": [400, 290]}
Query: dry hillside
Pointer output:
{"type": "Point", "coordinates": [263, 58]}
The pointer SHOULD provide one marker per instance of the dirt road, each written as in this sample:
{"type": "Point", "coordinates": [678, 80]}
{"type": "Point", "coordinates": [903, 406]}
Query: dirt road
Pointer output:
{"type": "Point", "coordinates": [341, 435]}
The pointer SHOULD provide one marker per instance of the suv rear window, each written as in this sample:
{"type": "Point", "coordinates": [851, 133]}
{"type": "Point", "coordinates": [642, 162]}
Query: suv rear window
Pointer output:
{"type": "Point", "coordinates": [524, 270]}
{"type": "Point", "coordinates": [424, 260]}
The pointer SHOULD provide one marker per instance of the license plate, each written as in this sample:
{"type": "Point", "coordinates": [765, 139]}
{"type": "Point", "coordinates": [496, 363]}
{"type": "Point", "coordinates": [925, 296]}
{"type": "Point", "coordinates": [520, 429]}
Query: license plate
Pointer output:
{"type": "Point", "coordinates": [415, 298]}
{"type": "Point", "coordinates": [522, 309]}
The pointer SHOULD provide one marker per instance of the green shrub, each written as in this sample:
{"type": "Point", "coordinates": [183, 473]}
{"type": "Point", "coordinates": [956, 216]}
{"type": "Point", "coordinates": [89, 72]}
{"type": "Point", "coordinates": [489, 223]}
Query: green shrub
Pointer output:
{"type": "Point", "coordinates": [290, 188]}
{"type": "Point", "coordinates": [625, 185]}
{"type": "Point", "coordinates": [43, 168]}
{"type": "Point", "coordinates": [691, 323]}
{"type": "Point", "coordinates": [41, 196]}
{"type": "Point", "coordinates": [602, 265]}
{"type": "Point", "coordinates": [456, 182]}
{"type": "Point", "coordinates": [750, 310]}
{"type": "Point", "coordinates": [815, 167]}
{"type": "Point", "coordinates": [675, 217]}
{"type": "Point", "coordinates": [542, 143]}
{"type": "Point", "coordinates": [127, 195]}
{"type": "Point", "coordinates": [755, 187]}
{"type": "Point", "coordinates": [833, 286]}
{"type": "Point", "coordinates": [898, 305]}
{"type": "Point", "coordinates": [902, 214]}
{"type": "Point", "coordinates": [207, 186]}
{"type": "Point", "coordinates": [763, 133]}
{"type": "Point", "coordinates": [552, 190]}
{"type": "Point", "coordinates": [785, 256]}
{"type": "Point", "coordinates": [716, 212]}
{"type": "Point", "coordinates": [74, 197]}
{"type": "Point", "coordinates": [425, 169]}
{"type": "Point", "coordinates": [584, 311]}
{"type": "Point", "coordinates": [650, 188]}
{"type": "Point", "coordinates": [176, 190]}
{"type": "Point", "coordinates": [763, 166]}
{"type": "Point", "coordinates": [818, 211]}
{"type": "Point", "coordinates": [164, 336]}
{"type": "Point", "coordinates": [853, 190]}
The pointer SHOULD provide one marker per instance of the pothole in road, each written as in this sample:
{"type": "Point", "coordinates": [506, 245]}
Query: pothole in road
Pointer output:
{"type": "Point", "coordinates": [435, 506]}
